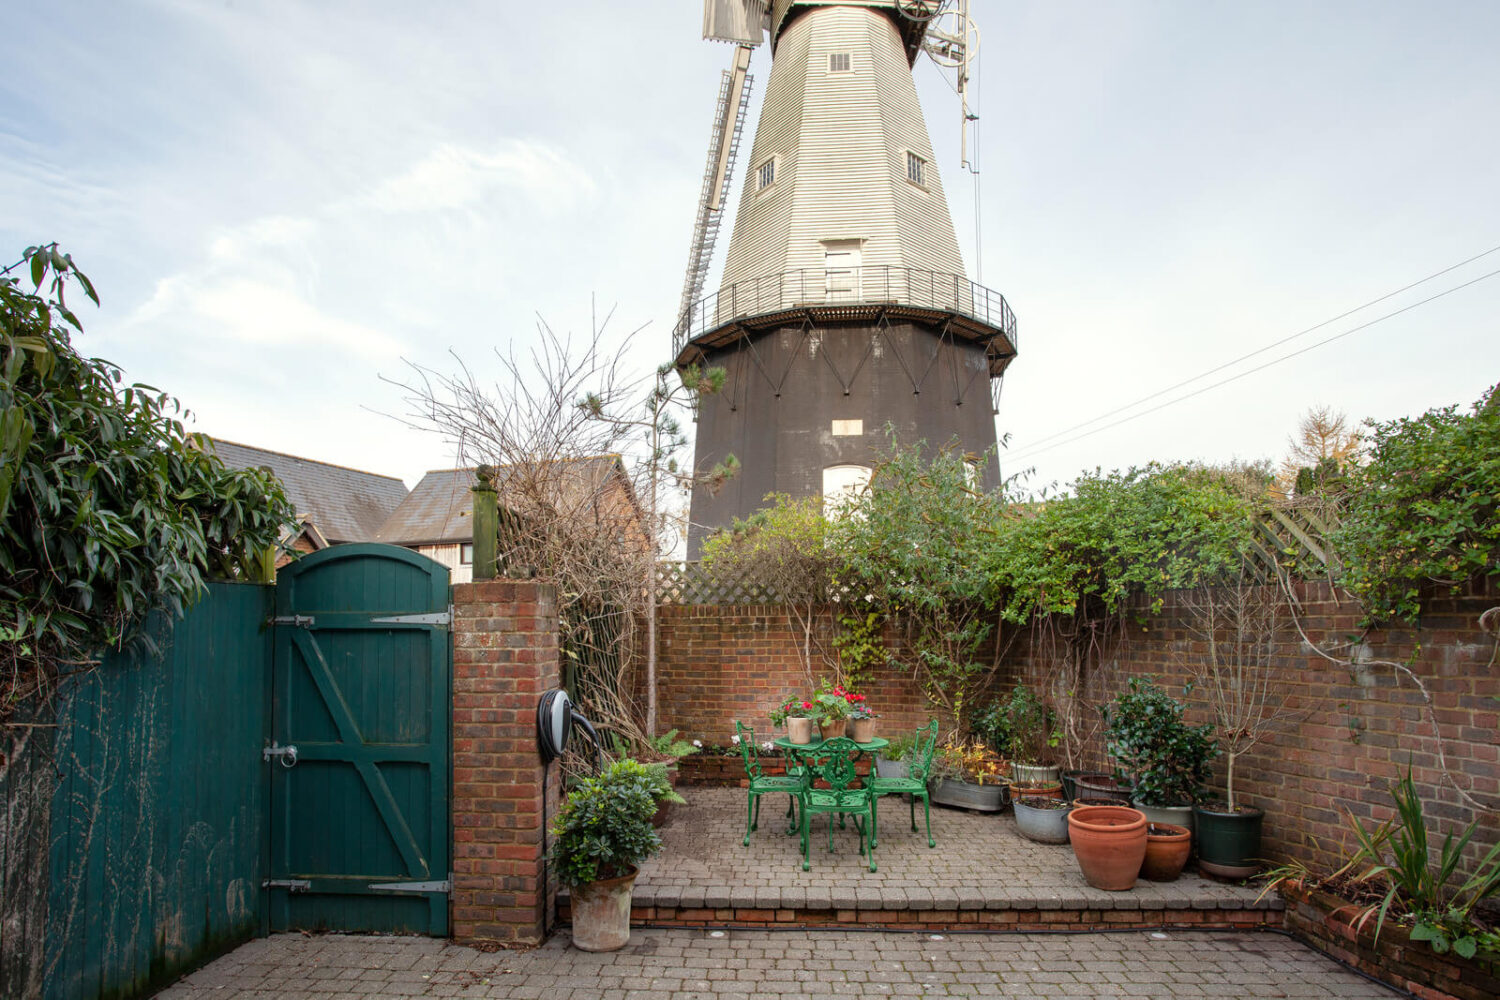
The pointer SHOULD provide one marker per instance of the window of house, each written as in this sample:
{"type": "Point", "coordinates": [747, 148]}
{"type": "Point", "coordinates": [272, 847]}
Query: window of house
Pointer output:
{"type": "Point", "coordinates": [765, 175]}
{"type": "Point", "coordinates": [838, 62]}
{"type": "Point", "coordinates": [466, 554]}
{"type": "Point", "coordinates": [841, 482]}
{"type": "Point", "coordinates": [916, 169]}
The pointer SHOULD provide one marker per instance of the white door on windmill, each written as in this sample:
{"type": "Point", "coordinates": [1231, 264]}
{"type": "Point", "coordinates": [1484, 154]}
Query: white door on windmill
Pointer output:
{"type": "Point", "coordinates": [841, 264]}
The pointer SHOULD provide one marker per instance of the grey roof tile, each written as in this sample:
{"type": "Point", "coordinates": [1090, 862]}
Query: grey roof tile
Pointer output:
{"type": "Point", "coordinates": [345, 505]}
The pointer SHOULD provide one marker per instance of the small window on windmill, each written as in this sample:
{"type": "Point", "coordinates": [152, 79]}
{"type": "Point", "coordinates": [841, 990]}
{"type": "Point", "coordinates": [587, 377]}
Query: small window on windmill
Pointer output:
{"type": "Point", "coordinates": [765, 174]}
{"type": "Point", "coordinates": [838, 62]}
{"type": "Point", "coordinates": [916, 169]}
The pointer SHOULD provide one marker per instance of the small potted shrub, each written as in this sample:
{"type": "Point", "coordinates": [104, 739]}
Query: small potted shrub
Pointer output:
{"type": "Point", "coordinates": [603, 832]}
{"type": "Point", "coordinates": [1147, 735]}
{"type": "Point", "coordinates": [1032, 736]}
{"type": "Point", "coordinates": [796, 713]}
{"type": "Point", "coordinates": [893, 761]}
{"type": "Point", "coordinates": [665, 752]}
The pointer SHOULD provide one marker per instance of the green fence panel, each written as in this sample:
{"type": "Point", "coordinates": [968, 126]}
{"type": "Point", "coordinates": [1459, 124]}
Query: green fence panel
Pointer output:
{"type": "Point", "coordinates": [159, 821]}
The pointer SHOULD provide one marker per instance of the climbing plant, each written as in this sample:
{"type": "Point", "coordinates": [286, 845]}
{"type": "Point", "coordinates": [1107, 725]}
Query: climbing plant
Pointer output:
{"type": "Point", "coordinates": [109, 507]}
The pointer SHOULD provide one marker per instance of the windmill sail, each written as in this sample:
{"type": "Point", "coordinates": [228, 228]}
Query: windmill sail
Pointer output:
{"type": "Point", "coordinates": [739, 21]}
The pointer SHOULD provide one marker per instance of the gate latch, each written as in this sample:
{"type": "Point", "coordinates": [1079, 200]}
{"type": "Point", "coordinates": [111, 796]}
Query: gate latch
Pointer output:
{"type": "Point", "coordinates": [286, 754]}
{"type": "Point", "coordinates": [289, 884]}
{"type": "Point", "coordinates": [296, 621]}
{"type": "Point", "coordinates": [444, 886]}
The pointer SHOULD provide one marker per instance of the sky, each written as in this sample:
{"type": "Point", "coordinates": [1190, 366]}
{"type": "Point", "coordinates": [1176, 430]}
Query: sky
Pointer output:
{"type": "Point", "coordinates": [284, 204]}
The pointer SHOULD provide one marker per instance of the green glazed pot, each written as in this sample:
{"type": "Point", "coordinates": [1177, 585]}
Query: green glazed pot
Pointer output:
{"type": "Point", "coordinates": [1229, 842]}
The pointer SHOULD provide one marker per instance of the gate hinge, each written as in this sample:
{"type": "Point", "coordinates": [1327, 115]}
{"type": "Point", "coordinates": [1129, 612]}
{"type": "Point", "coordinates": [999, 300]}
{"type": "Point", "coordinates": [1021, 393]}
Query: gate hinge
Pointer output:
{"type": "Point", "coordinates": [289, 884]}
{"type": "Point", "coordinates": [444, 886]}
{"type": "Point", "coordinates": [298, 621]}
{"type": "Point", "coordinates": [435, 618]}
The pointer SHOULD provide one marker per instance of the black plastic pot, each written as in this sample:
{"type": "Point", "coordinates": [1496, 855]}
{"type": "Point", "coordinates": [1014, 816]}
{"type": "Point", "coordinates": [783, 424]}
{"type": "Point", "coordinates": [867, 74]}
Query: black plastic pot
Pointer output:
{"type": "Point", "coordinates": [1229, 842]}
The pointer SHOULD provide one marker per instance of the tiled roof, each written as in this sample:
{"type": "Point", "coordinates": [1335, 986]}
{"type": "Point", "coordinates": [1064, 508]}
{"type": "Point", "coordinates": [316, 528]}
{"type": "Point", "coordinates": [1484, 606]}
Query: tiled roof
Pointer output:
{"type": "Point", "coordinates": [440, 509]}
{"type": "Point", "coordinates": [345, 505]}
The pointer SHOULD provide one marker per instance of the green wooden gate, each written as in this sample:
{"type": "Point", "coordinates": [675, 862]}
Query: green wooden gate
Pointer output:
{"type": "Point", "coordinates": [361, 688]}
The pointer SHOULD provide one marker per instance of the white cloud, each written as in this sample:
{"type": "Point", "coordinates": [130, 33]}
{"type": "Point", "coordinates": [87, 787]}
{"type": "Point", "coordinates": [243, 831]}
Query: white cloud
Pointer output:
{"type": "Point", "coordinates": [454, 176]}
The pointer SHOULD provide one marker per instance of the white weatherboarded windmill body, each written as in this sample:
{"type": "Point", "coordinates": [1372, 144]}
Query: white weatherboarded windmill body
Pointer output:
{"type": "Point", "coordinates": [844, 305]}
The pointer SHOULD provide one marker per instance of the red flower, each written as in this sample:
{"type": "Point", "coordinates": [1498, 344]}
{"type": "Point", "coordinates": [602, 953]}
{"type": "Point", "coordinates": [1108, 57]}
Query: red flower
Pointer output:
{"type": "Point", "coordinates": [807, 704]}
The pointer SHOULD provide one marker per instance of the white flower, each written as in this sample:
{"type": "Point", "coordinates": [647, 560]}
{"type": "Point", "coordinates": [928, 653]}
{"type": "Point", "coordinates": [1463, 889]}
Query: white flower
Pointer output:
{"type": "Point", "coordinates": [698, 744]}
{"type": "Point", "coordinates": [869, 597]}
{"type": "Point", "coordinates": [735, 738]}
{"type": "Point", "coordinates": [768, 745]}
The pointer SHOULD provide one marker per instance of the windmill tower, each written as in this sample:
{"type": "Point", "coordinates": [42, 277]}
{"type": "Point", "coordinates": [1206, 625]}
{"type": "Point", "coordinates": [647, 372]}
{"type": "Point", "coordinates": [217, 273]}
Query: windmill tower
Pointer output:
{"type": "Point", "coordinates": [844, 305]}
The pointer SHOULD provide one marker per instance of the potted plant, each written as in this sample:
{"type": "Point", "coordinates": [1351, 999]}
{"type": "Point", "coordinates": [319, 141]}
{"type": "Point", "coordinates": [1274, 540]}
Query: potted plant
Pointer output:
{"type": "Point", "coordinates": [1242, 628]}
{"type": "Point", "coordinates": [831, 707]}
{"type": "Point", "coordinates": [796, 713]}
{"type": "Point", "coordinates": [665, 752]}
{"type": "Point", "coordinates": [861, 718]}
{"type": "Point", "coordinates": [1042, 818]}
{"type": "Point", "coordinates": [1099, 785]}
{"type": "Point", "coordinates": [894, 761]}
{"type": "Point", "coordinates": [1147, 735]}
{"type": "Point", "coordinates": [1033, 736]}
{"type": "Point", "coordinates": [603, 832]}
{"type": "Point", "coordinates": [1109, 843]}
{"type": "Point", "coordinates": [1167, 848]}
{"type": "Point", "coordinates": [968, 775]}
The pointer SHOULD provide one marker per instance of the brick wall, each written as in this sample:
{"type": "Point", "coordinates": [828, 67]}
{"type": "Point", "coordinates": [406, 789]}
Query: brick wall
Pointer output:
{"type": "Point", "coordinates": [505, 655]}
{"type": "Point", "coordinates": [1352, 730]}
{"type": "Point", "coordinates": [716, 664]}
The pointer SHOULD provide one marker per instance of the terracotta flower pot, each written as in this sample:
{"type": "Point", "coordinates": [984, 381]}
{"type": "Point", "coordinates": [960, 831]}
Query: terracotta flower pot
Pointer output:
{"type": "Point", "coordinates": [862, 730]}
{"type": "Point", "coordinates": [1167, 849]}
{"type": "Point", "coordinates": [799, 731]}
{"type": "Point", "coordinates": [601, 913]}
{"type": "Point", "coordinates": [834, 729]}
{"type": "Point", "coordinates": [1044, 789]}
{"type": "Point", "coordinates": [1109, 843]}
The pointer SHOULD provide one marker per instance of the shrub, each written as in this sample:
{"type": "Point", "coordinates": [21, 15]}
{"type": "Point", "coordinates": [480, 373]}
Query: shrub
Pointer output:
{"type": "Point", "coordinates": [1424, 508]}
{"type": "Point", "coordinates": [1147, 735]}
{"type": "Point", "coordinates": [604, 828]}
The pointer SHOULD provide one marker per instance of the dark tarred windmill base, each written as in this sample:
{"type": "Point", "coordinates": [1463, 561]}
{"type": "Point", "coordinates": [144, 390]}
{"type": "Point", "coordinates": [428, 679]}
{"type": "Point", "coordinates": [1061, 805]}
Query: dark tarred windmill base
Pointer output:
{"type": "Point", "coordinates": [786, 386]}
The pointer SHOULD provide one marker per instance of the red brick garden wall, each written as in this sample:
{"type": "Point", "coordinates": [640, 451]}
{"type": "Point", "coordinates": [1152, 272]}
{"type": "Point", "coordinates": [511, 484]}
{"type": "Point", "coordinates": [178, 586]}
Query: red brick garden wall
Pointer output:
{"type": "Point", "coordinates": [505, 656]}
{"type": "Point", "coordinates": [716, 664]}
{"type": "Point", "coordinates": [1351, 733]}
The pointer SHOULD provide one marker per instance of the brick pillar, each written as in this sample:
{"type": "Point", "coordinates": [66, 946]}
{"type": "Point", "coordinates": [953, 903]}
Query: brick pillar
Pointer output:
{"type": "Point", "coordinates": [505, 655]}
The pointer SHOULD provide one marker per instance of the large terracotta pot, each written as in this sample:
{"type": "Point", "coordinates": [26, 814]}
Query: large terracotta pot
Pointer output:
{"type": "Point", "coordinates": [601, 913]}
{"type": "Point", "coordinates": [799, 731]}
{"type": "Point", "coordinates": [834, 729]}
{"type": "Point", "coordinates": [862, 730]}
{"type": "Point", "coordinates": [1167, 848]}
{"type": "Point", "coordinates": [1109, 843]}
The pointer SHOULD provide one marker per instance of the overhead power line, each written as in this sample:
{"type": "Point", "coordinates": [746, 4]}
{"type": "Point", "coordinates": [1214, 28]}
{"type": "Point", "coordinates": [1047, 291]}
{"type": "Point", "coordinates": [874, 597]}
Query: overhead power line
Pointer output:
{"type": "Point", "coordinates": [1261, 350]}
{"type": "Point", "coordinates": [1037, 448]}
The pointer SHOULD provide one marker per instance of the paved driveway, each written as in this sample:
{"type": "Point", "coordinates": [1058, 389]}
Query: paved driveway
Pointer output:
{"type": "Point", "coordinates": [662, 964]}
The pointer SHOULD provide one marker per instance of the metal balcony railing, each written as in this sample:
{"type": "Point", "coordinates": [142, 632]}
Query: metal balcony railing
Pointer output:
{"type": "Point", "coordinates": [815, 287]}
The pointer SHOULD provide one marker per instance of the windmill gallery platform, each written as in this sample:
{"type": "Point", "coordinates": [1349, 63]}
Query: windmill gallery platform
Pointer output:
{"type": "Point", "coordinates": [982, 876]}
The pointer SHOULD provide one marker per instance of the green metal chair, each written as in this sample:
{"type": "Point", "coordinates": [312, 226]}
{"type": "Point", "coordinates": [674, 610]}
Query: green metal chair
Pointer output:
{"type": "Point", "coordinates": [761, 783]}
{"type": "Point", "coordinates": [833, 763]}
{"type": "Point", "coordinates": [914, 784]}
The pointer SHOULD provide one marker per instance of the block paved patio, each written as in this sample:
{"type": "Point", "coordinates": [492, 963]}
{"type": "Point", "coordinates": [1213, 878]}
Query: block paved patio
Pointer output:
{"type": "Point", "coordinates": [681, 964]}
{"type": "Point", "coordinates": [982, 875]}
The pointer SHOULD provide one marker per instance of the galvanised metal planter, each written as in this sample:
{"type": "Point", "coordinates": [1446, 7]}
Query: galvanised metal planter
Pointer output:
{"type": "Point", "coordinates": [1175, 815]}
{"type": "Point", "coordinates": [1044, 820]}
{"type": "Point", "coordinates": [1035, 772]}
{"type": "Point", "coordinates": [982, 798]}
